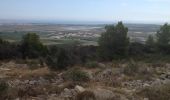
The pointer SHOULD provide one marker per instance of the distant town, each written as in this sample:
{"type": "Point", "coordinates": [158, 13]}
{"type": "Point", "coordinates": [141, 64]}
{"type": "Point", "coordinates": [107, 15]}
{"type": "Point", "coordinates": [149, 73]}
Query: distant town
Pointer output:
{"type": "Point", "coordinates": [137, 32]}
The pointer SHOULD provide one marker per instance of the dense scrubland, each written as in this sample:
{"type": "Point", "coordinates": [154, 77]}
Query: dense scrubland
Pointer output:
{"type": "Point", "coordinates": [117, 69]}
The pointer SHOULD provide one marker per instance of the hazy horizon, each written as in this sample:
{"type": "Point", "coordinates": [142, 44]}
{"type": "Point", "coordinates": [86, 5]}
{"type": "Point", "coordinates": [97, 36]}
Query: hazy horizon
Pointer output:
{"type": "Point", "coordinates": [30, 21]}
{"type": "Point", "coordinates": [107, 11]}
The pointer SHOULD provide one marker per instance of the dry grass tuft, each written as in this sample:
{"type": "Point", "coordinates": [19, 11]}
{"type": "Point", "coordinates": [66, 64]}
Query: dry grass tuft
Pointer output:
{"type": "Point", "coordinates": [86, 95]}
{"type": "Point", "coordinates": [24, 73]}
{"type": "Point", "coordinates": [157, 92]}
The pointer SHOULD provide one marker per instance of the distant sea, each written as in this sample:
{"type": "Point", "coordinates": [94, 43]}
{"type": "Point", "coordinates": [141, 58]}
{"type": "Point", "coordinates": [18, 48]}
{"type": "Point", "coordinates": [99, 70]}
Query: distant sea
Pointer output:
{"type": "Point", "coordinates": [53, 22]}
{"type": "Point", "coordinates": [72, 22]}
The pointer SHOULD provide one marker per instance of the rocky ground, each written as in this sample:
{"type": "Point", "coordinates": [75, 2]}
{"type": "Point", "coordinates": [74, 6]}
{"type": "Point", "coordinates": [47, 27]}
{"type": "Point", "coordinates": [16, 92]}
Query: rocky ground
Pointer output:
{"type": "Point", "coordinates": [106, 81]}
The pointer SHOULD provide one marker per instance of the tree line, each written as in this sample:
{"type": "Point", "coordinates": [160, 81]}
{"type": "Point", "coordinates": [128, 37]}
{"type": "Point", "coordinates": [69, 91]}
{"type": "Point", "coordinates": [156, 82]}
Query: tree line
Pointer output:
{"type": "Point", "coordinates": [113, 44]}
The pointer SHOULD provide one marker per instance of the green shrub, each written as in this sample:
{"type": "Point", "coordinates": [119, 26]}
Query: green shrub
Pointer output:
{"type": "Point", "coordinates": [136, 49]}
{"type": "Point", "coordinates": [163, 40]}
{"type": "Point", "coordinates": [92, 64]}
{"type": "Point", "coordinates": [156, 92]}
{"type": "Point", "coordinates": [3, 88]}
{"type": "Point", "coordinates": [114, 43]}
{"type": "Point", "coordinates": [9, 50]}
{"type": "Point", "coordinates": [24, 91]}
{"type": "Point", "coordinates": [31, 46]}
{"type": "Point", "coordinates": [77, 75]}
{"type": "Point", "coordinates": [59, 58]}
{"type": "Point", "coordinates": [131, 69]}
{"type": "Point", "coordinates": [33, 64]}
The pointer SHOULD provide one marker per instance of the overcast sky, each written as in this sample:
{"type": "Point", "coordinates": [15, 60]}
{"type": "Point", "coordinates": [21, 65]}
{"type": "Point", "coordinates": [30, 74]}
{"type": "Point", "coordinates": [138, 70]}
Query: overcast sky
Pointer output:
{"type": "Point", "coordinates": [149, 11]}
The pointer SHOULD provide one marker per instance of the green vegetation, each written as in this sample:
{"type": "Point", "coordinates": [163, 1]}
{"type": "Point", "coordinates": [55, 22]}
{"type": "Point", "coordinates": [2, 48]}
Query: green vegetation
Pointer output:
{"type": "Point", "coordinates": [114, 42]}
{"type": "Point", "coordinates": [92, 64]}
{"type": "Point", "coordinates": [77, 75]}
{"type": "Point", "coordinates": [8, 50]}
{"type": "Point", "coordinates": [34, 64]}
{"type": "Point", "coordinates": [131, 69]}
{"type": "Point", "coordinates": [3, 89]}
{"type": "Point", "coordinates": [3, 86]}
{"type": "Point", "coordinates": [31, 46]}
{"type": "Point", "coordinates": [11, 37]}
{"type": "Point", "coordinates": [157, 92]}
{"type": "Point", "coordinates": [46, 40]}
{"type": "Point", "coordinates": [150, 41]}
{"type": "Point", "coordinates": [113, 45]}
{"type": "Point", "coordinates": [58, 58]}
{"type": "Point", "coordinates": [151, 44]}
{"type": "Point", "coordinates": [163, 38]}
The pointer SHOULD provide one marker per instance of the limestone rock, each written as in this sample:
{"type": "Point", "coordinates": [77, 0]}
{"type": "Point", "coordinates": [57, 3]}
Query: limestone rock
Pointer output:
{"type": "Point", "coordinates": [66, 93]}
{"type": "Point", "coordinates": [103, 94]}
{"type": "Point", "coordinates": [146, 99]}
{"type": "Point", "coordinates": [79, 89]}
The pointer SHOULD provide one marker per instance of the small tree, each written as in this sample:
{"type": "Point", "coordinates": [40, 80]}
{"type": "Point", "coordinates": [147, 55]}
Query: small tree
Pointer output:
{"type": "Point", "coordinates": [150, 44]}
{"type": "Point", "coordinates": [31, 46]}
{"type": "Point", "coordinates": [163, 38]}
{"type": "Point", "coordinates": [59, 58]}
{"type": "Point", "coordinates": [113, 44]}
{"type": "Point", "coordinates": [1, 40]}
{"type": "Point", "coordinates": [150, 40]}
{"type": "Point", "coordinates": [8, 50]}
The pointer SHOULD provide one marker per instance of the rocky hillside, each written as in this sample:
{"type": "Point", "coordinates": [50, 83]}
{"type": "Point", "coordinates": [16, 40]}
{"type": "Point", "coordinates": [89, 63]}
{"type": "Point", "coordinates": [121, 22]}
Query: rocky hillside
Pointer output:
{"type": "Point", "coordinates": [95, 81]}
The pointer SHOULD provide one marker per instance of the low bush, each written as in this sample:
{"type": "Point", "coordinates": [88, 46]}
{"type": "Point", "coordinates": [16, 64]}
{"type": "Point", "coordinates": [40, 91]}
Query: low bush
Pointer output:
{"type": "Point", "coordinates": [131, 69]}
{"type": "Point", "coordinates": [92, 64]}
{"type": "Point", "coordinates": [77, 75]}
{"type": "Point", "coordinates": [34, 64]}
{"type": "Point", "coordinates": [59, 58]}
{"type": "Point", "coordinates": [145, 73]}
{"type": "Point", "coordinates": [136, 49]}
{"type": "Point", "coordinates": [3, 89]}
{"type": "Point", "coordinates": [9, 50]}
{"type": "Point", "coordinates": [3, 86]}
{"type": "Point", "coordinates": [26, 91]}
{"type": "Point", "coordinates": [114, 82]}
{"type": "Point", "coordinates": [157, 92]}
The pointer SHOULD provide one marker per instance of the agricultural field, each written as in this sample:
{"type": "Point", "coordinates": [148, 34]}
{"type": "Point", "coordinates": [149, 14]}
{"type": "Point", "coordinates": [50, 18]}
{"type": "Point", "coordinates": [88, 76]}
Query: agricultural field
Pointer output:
{"type": "Point", "coordinates": [64, 34]}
